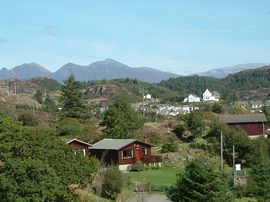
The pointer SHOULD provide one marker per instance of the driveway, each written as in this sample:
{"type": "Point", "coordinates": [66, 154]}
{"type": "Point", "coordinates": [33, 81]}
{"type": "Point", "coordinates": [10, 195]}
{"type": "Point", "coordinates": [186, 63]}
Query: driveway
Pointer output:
{"type": "Point", "coordinates": [146, 197]}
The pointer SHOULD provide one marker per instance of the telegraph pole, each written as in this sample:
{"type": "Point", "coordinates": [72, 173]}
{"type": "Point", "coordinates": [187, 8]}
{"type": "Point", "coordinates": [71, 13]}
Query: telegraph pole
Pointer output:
{"type": "Point", "coordinates": [234, 183]}
{"type": "Point", "coordinates": [221, 150]}
{"type": "Point", "coordinates": [142, 92]}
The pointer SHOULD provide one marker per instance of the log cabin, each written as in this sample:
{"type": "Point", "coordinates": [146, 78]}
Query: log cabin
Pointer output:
{"type": "Point", "coordinates": [80, 146]}
{"type": "Point", "coordinates": [124, 152]}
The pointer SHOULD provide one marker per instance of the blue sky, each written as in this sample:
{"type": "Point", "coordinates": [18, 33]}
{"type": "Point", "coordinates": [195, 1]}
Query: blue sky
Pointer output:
{"type": "Point", "coordinates": [180, 36]}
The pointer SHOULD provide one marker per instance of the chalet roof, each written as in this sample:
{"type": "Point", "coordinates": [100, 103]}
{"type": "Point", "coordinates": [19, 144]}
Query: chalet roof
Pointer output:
{"type": "Point", "coordinates": [243, 118]}
{"type": "Point", "coordinates": [115, 144]}
{"type": "Point", "coordinates": [80, 141]}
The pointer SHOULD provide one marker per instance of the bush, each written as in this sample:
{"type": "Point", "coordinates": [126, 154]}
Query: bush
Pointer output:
{"type": "Point", "coordinates": [169, 147]}
{"type": "Point", "coordinates": [179, 130]}
{"type": "Point", "coordinates": [69, 126]}
{"type": "Point", "coordinates": [27, 119]}
{"type": "Point", "coordinates": [137, 167]}
{"type": "Point", "coordinates": [159, 188]}
{"type": "Point", "coordinates": [113, 183]}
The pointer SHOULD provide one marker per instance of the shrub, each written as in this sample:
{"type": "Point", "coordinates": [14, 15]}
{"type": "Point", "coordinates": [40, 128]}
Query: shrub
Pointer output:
{"type": "Point", "coordinates": [137, 167]}
{"type": "Point", "coordinates": [27, 119]}
{"type": "Point", "coordinates": [169, 147]}
{"type": "Point", "coordinates": [113, 183]}
{"type": "Point", "coordinates": [69, 126]}
{"type": "Point", "coordinates": [159, 188]}
{"type": "Point", "coordinates": [179, 130]}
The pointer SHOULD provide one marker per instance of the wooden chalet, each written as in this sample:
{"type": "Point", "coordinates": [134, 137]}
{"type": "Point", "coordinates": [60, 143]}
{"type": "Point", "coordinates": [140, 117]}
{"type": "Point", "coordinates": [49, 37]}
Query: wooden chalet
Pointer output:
{"type": "Point", "coordinates": [253, 124]}
{"type": "Point", "coordinates": [124, 152]}
{"type": "Point", "coordinates": [80, 146]}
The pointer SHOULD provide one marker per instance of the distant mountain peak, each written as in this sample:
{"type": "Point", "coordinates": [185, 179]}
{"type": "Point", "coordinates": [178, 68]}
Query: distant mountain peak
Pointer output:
{"type": "Point", "coordinates": [225, 71]}
{"type": "Point", "coordinates": [105, 69]}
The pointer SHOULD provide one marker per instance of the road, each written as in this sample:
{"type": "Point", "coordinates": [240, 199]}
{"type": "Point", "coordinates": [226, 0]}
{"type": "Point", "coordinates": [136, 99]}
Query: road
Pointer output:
{"type": "Point", "coordinates": [149, 198]}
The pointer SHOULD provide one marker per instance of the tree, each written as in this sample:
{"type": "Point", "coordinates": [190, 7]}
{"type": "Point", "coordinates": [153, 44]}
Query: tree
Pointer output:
{"type": "Point", "coordinates": [38, 96]}
{"type": "Point", "coordinates": [48, 104]}
{"type": "Point", "coordinates": [194, 123]}
{"type": "Point", "coordinates": [31, 180]}
{"type": "Point", "coordinates": [28, 119]}
{"type": "Point", "coordinates": [200, 181]}
{"type": "Point", "coordinates": [179, 130]}
{"type": "Point", "coordinates": [259, 181]}
{"type": "Point", "coordinates": [217, 108]}
{"type": "Point", "coordinates": [71, 100]}
{"type": "Point", "coordinates": [112, 183]}
{"type": "Point", "coordinates": [120, 120]}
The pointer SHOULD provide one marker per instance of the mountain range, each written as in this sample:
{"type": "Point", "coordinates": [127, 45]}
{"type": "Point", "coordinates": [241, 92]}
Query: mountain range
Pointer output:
{"type": "Point", "coordinates": [225, 71]}
{"type": "Point", "coordinates": [109, 69]}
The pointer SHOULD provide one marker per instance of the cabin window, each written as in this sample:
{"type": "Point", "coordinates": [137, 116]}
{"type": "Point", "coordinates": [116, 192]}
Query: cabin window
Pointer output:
{"type": "Point", "coordinates": [144, 151]}
{"type": "Point", "coordinates": [127, 154]}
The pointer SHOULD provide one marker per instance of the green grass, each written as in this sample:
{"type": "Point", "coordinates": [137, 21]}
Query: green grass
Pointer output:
{"type": "Point", "coordinates": [244, 199]}
{"type": "Point", "coordinates": [165, 176]}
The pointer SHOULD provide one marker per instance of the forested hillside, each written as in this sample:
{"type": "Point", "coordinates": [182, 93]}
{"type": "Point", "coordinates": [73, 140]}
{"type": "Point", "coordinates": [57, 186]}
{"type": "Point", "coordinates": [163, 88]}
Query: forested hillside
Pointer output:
{"type": "Point", "coordinates": [240, 83]}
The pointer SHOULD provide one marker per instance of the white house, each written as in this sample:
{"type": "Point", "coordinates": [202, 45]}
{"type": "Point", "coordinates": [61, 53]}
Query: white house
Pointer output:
{"type": "Point", "coordinates": [192, 98]}
{"type": "Point", "coordinates": [148, 96]}
{"type": "Point", "coordinates": [208, 96]}
{"type": "Point", "coordinates": [256, 104]}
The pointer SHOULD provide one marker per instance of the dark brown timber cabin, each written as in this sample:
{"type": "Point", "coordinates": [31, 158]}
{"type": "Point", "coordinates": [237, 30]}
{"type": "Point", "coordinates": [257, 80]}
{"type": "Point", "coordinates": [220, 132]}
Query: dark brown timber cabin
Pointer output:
{"type": "Point", "coordinates": [80, 146]}
{"type": "Point", "coordinates": [124, 152]}
{"type": "Point", "coordinates": [253, 124]}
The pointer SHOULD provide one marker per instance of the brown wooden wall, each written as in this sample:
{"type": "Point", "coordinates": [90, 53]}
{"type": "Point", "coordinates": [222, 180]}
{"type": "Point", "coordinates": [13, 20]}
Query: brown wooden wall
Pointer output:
{"type": "Point", "coordinates": [115, 157]}
{"type": "Point", "coordinates": [250, 128]}
{"type": "Point", "coordinates": [105, 156]}
{"type": "Point", "coordinates": [133, 146]}
{"type": "Point", "coordinates": [79, 146]}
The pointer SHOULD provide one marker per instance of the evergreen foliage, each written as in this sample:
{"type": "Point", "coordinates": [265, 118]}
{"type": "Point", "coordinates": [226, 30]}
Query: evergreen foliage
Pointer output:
{"type": "Point", "coordinates": [259, 180]}
{"type": "Point", "coordinates": [113, 183]}
{"type": "Point", "coordinates": [38, 96]}
{"type": "Point", "coordinates": [72, 103]}
{"type": "Point", "coordinates": [194, 123]}
{"type": "Point", "coordinates": [200, 182]}
{"type": "Point", "coordinates": [39, 164]}
{"type": "Point", "coordinates": [120, 120]}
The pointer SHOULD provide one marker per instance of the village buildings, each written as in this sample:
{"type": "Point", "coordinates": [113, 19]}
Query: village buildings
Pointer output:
{"type": "Point", "coordinates": [207, 96]}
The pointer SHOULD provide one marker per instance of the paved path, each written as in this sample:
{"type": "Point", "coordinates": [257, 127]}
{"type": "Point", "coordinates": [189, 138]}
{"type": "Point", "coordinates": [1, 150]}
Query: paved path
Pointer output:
{"type": "Point", "coordinates": [149, 198]}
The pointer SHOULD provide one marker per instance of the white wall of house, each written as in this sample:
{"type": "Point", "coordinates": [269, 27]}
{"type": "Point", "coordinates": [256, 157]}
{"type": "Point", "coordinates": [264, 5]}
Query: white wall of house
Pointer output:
{"type": "Point", "coordinates": [124, 167]}
{"type": "Point", "coordinates": [148, 96]}
{"type": "Point", "coordinates": [192, 98]}
{"type": "Point", "coordinates": [208, 96]}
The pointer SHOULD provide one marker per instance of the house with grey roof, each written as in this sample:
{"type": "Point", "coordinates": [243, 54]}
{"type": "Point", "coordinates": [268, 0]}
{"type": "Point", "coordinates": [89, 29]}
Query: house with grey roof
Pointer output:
{"type": "Point", "coordinates": [252, 124]}
{"type": "Point", "coordinates": [124, 152]}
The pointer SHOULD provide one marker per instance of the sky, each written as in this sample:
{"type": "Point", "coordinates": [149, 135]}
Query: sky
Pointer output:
{"type": "Point", "coordinates": [178, 36]}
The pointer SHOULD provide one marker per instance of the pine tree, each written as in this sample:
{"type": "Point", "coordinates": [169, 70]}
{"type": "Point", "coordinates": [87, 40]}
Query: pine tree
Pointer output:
{"type": "Point", "coordinates": [259, 180]}
{"type": "Point", "coordinates": [199, 182]}
{"type": "Point", "coordinates": [72, 103]}
{"type": "Point", "coordinates": [120, 119]}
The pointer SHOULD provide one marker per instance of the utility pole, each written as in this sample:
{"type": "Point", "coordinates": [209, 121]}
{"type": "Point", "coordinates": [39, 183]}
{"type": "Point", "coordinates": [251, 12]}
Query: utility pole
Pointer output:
{"type": "Point", "coordinates": [234, 183]}
{"type": "Point", "coordinates": [221, 150]}
{"type": "Point", "coordinates": [142, 92]}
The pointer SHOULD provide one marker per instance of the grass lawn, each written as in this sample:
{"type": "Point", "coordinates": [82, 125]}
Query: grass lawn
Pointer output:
{"type": "Point", "coordinates": [165, 176]}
